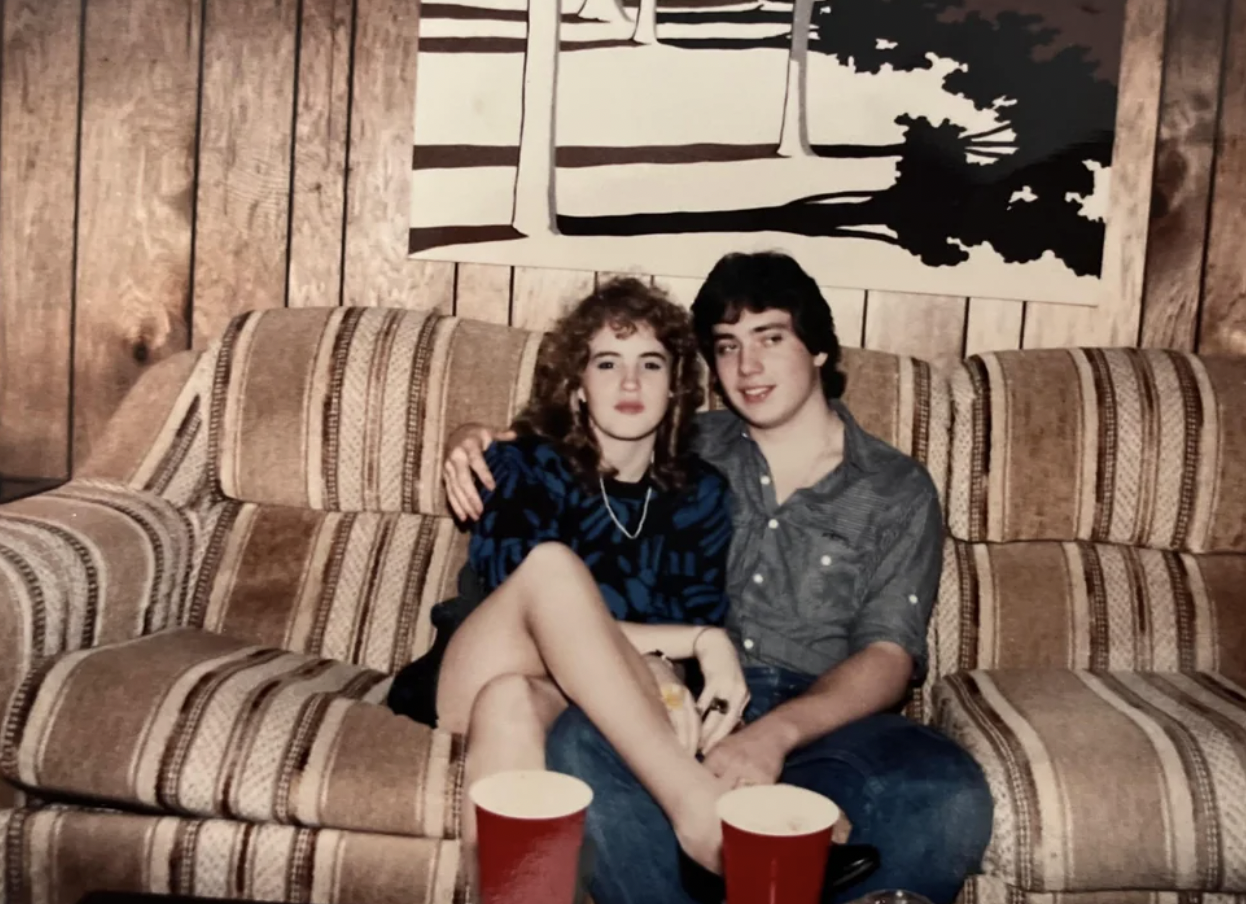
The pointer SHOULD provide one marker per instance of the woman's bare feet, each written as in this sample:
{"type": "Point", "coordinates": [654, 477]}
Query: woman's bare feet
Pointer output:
{"type": "Point", "coordinates": [697, 825]}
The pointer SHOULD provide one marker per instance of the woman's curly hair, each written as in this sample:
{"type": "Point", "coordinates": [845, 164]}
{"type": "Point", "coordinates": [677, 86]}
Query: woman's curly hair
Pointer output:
{"type": "Point", "coordinates": [552, 412]}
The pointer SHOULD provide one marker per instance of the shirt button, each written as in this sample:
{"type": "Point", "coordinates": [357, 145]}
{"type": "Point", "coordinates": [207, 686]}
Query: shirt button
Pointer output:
{"type": "Point", "coordinates": [826, 560]}
{"type": "Point", "coordinates": [913, 598]}
{"type": "Point", "coordinates": [757, 578]}
{"type": "Point", "coordinates": [772, 523]}
{"type": "Point", "coordinates": [765, 480]}
{"type": "Point", "coordinates": [748, 643]}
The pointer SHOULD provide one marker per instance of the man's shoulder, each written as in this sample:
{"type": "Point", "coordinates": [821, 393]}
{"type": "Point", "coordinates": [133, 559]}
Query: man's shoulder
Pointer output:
{"type": "Point", "coordinates": [904, 476]}
{"type": "Point", "coordinates": [715, 436]}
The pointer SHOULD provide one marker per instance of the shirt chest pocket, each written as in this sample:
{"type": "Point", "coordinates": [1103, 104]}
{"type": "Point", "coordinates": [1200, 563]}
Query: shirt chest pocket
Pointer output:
{"type": "Point", "coordinates": [832, 577]}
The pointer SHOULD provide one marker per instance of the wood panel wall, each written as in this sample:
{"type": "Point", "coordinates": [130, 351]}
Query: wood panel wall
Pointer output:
{"type": "Point", "coordinates": [165, 164]}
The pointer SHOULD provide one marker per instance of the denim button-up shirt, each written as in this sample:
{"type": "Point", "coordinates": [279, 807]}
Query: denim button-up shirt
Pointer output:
{"type": "Point", "coordinates": [850, 561]}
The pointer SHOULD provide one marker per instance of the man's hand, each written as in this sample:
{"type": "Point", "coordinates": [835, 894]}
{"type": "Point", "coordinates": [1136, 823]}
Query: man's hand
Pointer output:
{"type": "Point", "coordinates": [680, 707]}
{"type": "Point", "coordinates": [467, 458]}
{"type": "Point", "coordinates": [753, 755]}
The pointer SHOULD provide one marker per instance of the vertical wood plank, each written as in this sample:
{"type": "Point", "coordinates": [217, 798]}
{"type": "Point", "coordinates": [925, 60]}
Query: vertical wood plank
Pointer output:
{"type": "Point", "coordinates": [1183, 163]}
{"type": "Point", "coordinates": [242, 216]}
{"type": "Point", "coordinates": [483, 293]}
{"type": "Point", "coordinates": [140, 85]}
{"type": "Point", "coordinates": [604, 276]}
{"type": "Point", "coordinates": [930, 327]}
{"type": "Point", "coordinates": [318, 193]}
{"type": "Point", "coordinates": [541, 296]}
{"type": "Point", "coordinates": [38, 160]}
{"type": "Point", "coordinates": [1222, 329]}
{"type": "Point", "coordinates": [378, 198]}
{"type": "Point", "coordinates": [848, 308]}
{"type": "Point", "coordinates": [993, 324]}
{"type": "Point", "coordinates": [681, 289]}
{"type": "Point", "coordinates": [1116, 320]}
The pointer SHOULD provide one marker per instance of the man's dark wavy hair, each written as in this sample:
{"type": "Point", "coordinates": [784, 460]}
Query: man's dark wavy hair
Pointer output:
{"type": "Point", "coordinates": [552, 412]}
{"type": "Point", "coordinates": [768, 281]}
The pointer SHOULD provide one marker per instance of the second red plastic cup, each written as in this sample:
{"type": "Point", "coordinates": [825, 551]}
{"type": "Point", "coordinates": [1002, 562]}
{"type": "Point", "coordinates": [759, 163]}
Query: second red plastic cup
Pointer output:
{"type": "Point", "coordinates": [775, 843]}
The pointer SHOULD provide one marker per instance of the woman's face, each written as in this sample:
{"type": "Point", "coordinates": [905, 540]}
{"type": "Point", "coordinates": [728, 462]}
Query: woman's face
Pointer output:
{"type": "Point", "coordinates": [626, 386]}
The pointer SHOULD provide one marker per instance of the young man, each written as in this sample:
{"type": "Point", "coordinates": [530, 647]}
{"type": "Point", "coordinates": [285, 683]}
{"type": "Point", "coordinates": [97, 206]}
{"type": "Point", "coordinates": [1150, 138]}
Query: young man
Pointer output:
{"type": "Point", "coordinates": [832, 576]}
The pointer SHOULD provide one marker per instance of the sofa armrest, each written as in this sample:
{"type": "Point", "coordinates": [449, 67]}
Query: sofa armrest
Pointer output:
{"type": "Point", "coordinates": [86, 564]}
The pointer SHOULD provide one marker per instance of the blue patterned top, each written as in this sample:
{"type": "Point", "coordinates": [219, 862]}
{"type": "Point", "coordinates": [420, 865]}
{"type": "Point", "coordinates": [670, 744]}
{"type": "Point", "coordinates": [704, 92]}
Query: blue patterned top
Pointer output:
{"type": "Point", "coordinates": [674, 572]}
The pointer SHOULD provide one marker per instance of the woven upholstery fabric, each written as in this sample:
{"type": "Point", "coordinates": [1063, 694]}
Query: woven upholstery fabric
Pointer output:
{"type": "Point", "coordinates": [1107, 780]}
{"type": "Point", "coordinates": [345, 409]}
{"type": "Point", "coordinates": [1088, 606]}
{"type": "Point", "coordinates": [1133, 446]}
{"type": "Point", "coordinates": [58, 855]}
{"type": "Point", "coordinates": [356, 587]}
{"type": "Point", "coordinates": [191, 722]}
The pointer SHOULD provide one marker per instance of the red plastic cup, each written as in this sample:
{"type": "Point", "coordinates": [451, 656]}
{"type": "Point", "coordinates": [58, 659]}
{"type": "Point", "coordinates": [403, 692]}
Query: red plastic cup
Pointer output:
{"type": "Point", "coordinates": [775, 842]}
{"type": "Point", "coordinates": [529, 830]}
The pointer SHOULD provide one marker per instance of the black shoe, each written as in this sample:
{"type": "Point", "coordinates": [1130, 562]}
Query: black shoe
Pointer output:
{"type": "Point", "coordinates": [846, 865]}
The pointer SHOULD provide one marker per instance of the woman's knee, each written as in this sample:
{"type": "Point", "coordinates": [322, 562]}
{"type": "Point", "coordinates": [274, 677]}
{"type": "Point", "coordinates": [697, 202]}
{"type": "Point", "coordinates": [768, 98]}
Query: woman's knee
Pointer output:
{"type": "Point", "coordinates": [507, 699]}
{"type": "Point", "coordinates": [551, 560]}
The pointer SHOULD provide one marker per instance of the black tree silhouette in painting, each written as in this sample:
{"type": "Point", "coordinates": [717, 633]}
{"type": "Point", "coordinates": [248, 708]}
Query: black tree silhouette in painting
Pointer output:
{"type": "Point", "coordinates": [1019, 187]}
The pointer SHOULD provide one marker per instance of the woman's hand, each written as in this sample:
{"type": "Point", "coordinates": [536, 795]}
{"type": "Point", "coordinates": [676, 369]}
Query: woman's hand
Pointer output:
{"type": "Point", "coordinates": [680, 706]}
{"type": "Point", "coordinates": [724, 680]}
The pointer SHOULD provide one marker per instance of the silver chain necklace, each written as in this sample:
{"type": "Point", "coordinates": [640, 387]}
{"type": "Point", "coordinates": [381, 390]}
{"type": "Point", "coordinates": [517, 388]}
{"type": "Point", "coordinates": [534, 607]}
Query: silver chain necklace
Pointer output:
{"type": "Point", "coordinates": [644, 513]}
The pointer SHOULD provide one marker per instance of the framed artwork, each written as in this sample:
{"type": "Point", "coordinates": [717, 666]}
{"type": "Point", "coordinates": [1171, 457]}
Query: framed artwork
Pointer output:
{"type": "Point", "coordinates": [952, 147]}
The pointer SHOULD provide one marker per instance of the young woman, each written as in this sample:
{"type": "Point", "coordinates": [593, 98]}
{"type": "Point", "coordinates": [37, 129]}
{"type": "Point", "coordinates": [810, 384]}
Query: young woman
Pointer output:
{"type": "Point", "coordinates": [602, 540]}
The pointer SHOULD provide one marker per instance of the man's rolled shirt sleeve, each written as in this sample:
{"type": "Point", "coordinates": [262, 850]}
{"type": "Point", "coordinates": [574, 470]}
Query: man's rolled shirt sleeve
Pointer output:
{"type": "Point", "coordinates": [905, 583]}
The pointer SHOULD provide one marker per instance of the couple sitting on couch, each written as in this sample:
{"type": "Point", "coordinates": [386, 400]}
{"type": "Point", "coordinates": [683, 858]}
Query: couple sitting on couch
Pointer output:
{"type": "Point", "coordinates": [604, 550]}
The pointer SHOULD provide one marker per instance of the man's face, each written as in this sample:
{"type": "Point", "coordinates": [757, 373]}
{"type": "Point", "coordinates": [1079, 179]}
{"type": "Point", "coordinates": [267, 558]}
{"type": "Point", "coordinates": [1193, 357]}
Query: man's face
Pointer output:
{"type": "Point", "coordinates": [766, 372]}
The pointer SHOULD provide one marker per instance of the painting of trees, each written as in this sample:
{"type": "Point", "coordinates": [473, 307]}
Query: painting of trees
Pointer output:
{"type": "Point", "coordinates": [921, 138]}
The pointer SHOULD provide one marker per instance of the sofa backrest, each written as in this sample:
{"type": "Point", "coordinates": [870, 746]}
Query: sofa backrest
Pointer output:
{"type": "Point", "coordinates": [1097, 512]}
{"type": "Point", "coordinates": [348, 409]}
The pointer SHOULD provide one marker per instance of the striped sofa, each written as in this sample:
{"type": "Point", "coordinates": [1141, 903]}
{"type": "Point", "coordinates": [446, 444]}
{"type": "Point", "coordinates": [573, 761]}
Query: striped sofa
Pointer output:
{"type": "Point", "coordinates": [197, 630]}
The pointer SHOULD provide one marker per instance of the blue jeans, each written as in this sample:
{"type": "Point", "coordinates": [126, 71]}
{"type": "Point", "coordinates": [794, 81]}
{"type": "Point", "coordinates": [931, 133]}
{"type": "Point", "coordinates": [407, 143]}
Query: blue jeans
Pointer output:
{"type": "Point", "coordinates": [906, 788]}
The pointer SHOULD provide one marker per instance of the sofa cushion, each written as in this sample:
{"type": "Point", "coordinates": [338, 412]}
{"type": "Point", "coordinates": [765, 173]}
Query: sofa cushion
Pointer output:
{"type": "Point", "coordinates": [1098, 606]}
{"type": "Point", "coordinates": [1140, 447]}
{"type": "Point", "coordinates": [346, 409]}
{"type": "Point", "coordinates": [1107, 780]}
{"type": "Point", "coordinates": [354, 587]}
{"type": "Point", "coordinates": [187, 721]}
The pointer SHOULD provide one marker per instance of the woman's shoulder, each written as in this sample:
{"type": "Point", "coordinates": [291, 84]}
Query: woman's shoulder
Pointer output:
{"type": "Point", "coordinates": [531, 456]}
{"type": "Point", "coordinates": [704, 479]}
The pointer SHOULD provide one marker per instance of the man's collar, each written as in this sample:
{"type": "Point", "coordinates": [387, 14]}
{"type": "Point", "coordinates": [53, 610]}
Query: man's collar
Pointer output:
{"type": "Point", "coordinates": [858, 450]}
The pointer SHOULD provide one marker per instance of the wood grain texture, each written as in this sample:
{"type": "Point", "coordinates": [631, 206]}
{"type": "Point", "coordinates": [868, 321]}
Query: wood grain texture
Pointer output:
{"type": "Point", "coordinates": [140, 88]}
{"type": "Point", "coordinates": [318, 191]}
{"type": "Point", "coordinates": [378, 212]}
{"type": "Point", "coordinates": [1184, 156]}
{"type": "Point", "coordinates": [1117, 319]}
{"type": "Point", "coordinates": [38, 160]}
{"type": "Point", "coordinates": [246, 124]}
{"type": "Point", "coordinates": [1222, 329]}
{"type": "Point", "coordinates": [931, 327]}
{"type": "Point", "coordinates": [681, 289]}
{"type": "Point", "coordinates": [604, 276]}
{"type": "Point", "coordinates": [540, 296]}
{"type": "Point", "coordinates": [993, 324]}
{"type": "Point", "coordinates": [848, 307]}
{"type": "Point", "coordinates": [483, 292]}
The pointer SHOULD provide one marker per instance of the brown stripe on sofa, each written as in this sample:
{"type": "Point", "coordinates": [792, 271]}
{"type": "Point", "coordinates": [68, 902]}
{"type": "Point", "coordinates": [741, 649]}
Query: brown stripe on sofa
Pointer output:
{"type": "Point", "coordinates": [357, 587]}
{"type": "Point", "coordinates": [58, 856]}
{"type": "Point", "coordinates": [215, 727]}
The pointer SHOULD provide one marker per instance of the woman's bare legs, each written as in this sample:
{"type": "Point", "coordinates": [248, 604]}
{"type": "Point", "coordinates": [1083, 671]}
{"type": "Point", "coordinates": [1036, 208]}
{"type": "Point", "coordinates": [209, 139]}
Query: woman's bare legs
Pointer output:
{"type": "Point", "coordinates": [548, 618]}
{"type": "Point", "coordinates": [510, 718]}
